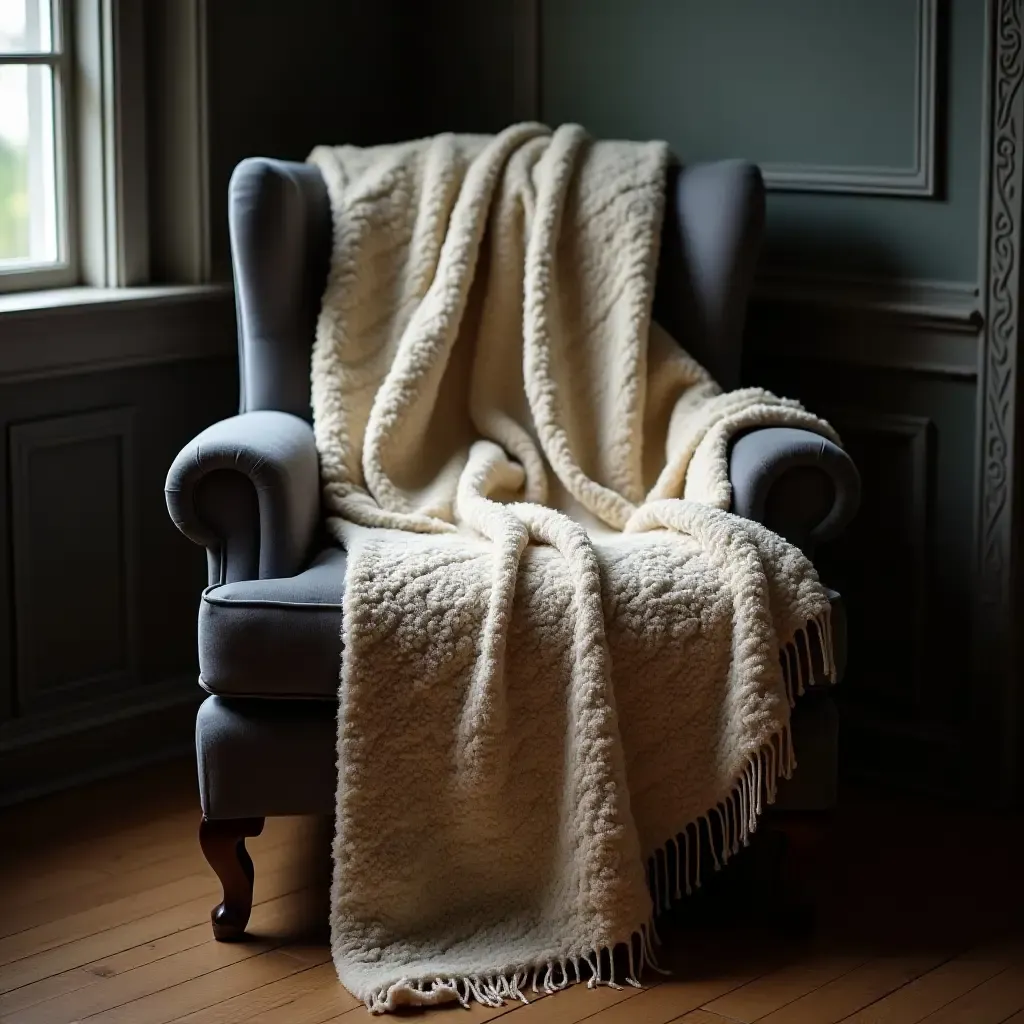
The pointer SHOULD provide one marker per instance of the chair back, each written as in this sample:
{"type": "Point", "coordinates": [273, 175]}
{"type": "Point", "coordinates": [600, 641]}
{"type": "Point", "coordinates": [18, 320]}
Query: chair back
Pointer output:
{"type": "Point", "coordinates": [280, 224]}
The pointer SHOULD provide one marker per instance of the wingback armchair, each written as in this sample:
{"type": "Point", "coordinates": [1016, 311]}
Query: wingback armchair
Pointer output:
{"type": "Point", "coordinates": [247, 489]}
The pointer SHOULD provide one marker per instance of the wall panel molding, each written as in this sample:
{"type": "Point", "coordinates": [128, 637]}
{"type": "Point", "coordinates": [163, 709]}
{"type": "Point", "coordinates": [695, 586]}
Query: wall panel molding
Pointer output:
{"type": "Point", "coordinates": [918, 178]}
{"type": "Point", "coordinates": [903, 350]}
{"type": "Point", "coordinates": [955, 306]}
{"type": "Point", "coordinates": [895, 690]}
{"type": "Point", "coordinates": [75, 557]}
{"type": "Point", "coordinates": [924, 327]}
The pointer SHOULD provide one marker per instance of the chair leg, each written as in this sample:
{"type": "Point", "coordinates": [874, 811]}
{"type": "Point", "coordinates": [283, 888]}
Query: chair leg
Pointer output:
{"type": "Point", "coordinates": [223, 844]}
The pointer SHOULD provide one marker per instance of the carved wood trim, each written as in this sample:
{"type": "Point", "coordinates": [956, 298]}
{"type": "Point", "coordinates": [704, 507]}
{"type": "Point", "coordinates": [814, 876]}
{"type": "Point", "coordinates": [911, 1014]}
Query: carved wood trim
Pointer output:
{"type": "Point", "coordinates": [1003, 281]}
{"type": "Point", "coordinates": [997, 703]}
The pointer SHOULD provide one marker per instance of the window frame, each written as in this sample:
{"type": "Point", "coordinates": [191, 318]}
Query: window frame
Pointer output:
{"type": "Point", "coordinates": [112, 53]}
{"type": "Point", "coordinates": [65, 270]}
{"type": "Point", "coordinates": [100, 136]}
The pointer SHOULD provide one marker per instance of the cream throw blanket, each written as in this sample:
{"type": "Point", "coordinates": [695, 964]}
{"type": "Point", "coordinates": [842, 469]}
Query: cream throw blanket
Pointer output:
{"type": "Point", "coordinates": [558, 678]}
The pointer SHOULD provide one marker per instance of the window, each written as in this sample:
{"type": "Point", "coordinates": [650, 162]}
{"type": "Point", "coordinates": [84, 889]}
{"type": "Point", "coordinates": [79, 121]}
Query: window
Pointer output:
{"type": "Point", "coordinates": [75, 192]}
{"type": "Point", "coordinates": [36, 248]}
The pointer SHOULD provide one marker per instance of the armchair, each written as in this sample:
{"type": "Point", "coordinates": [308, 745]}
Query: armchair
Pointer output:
{"type": "Point", "coordinates": [247, 490]}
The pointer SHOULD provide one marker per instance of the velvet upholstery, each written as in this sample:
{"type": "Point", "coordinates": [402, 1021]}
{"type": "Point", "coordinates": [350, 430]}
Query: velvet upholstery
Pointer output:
{"type": "Point", "coordinates": [275, 638]}
{"type": "Point", "coordinates": [248, 489]}
{"type": "Point", "coordinates": [280, 221]}
{"type": "Point", "coordinates": [798, 484]}
{"type": "Point", "coordinates": [260, 757]}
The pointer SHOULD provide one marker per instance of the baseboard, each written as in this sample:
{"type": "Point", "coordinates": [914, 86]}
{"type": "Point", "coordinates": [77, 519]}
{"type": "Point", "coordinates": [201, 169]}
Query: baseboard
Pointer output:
{"type": "Point", "coordinates": [49, 760]}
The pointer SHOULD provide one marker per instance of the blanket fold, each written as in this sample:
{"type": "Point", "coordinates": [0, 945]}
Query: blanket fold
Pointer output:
{"type": "Point", "coordinates": [566, 665]}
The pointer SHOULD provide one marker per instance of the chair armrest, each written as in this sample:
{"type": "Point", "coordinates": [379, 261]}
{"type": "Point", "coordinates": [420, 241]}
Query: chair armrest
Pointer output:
{"type": "Point", "coordinates": [797, 483]}
{"type": "Point", "coordinates": [248, 490]}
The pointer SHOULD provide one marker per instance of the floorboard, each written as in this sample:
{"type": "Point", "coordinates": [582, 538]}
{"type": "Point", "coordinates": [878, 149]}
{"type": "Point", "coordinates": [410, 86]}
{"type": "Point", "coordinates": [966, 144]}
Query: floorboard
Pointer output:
{"type": "Point", "coordinates": [105, 901]}
{"type": "Point", "coordinates": [939, 987]}
{"type": "Point", "coordinates": [161, 958]}
{"type": "Point", "coordinates": [990, 1003]}
{"type": "Point", "coordinates": [845, 995]}
{"type": "Point", "coordinates": [701, 1017]}
{"type": "Point", "coordinates": [258, 1003]}
{"type": "Point", "coordinates": [765, 995]}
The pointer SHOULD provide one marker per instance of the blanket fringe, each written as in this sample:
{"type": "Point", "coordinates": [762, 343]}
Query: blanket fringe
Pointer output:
{"type": "Point", "coordinates": [546, 978]}
{"type": "Point", "coordinates": [796, 660]}
{"type": "Point", "coordinates": [671, 870]}
{"type": "Point", "coordinates": [675, 870]}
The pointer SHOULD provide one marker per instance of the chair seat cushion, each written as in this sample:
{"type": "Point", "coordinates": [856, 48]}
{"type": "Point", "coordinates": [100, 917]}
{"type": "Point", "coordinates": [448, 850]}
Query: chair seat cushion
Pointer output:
{"type": "Point", "coordinates": [275, 637]}
{"type": "Point", "coordinates": [282, 637]}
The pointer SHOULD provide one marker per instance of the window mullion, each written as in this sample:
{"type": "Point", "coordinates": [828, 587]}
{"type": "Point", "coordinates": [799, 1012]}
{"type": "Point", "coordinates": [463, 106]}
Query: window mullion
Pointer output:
{"type": "Point", "coordinates": [110, 115]}
{"type": "Point", "coordinates": [64, 140]}
{"type": "Point", "coordinates": [127, 141]}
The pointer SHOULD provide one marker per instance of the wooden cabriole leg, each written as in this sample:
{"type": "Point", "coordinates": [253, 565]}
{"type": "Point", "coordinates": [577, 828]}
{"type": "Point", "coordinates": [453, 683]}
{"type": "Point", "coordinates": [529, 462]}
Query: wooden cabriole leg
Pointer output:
{"type": "Point", "coordinates": [223, 843]}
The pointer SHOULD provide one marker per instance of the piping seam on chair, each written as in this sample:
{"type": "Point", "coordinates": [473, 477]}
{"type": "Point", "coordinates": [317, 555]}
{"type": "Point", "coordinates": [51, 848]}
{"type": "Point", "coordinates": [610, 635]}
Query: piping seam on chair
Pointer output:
{"type": "Point", "coordinates": [255, 602]}
{"type": "Point", "coordinates": [238, 695]}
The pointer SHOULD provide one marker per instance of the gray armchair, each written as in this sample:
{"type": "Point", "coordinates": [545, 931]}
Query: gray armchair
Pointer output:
{"type": "Point", "coordinates": [247, 489]}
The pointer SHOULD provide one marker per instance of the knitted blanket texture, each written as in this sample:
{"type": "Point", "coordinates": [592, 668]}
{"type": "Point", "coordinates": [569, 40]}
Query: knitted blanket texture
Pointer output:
{"type": "Point", "coordinates": [564, 662]}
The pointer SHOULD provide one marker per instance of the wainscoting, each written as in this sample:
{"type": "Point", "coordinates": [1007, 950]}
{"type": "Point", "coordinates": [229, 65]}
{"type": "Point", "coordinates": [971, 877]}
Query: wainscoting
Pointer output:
{"type": "Point", "coordinates": [98, 591]}
{"type": "Point", "coordinates": [899, 381]}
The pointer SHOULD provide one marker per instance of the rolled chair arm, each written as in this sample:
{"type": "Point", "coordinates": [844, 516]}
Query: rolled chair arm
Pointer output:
{"type": "Point", "coordinates": [248, 490]}
{"type": "Point", "coordinates": [797, 483]}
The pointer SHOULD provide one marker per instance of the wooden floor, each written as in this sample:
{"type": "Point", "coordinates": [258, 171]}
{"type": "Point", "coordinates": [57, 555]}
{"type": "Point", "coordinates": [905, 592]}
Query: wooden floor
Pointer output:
{"type": "Point", "coordinates": [104, 898]}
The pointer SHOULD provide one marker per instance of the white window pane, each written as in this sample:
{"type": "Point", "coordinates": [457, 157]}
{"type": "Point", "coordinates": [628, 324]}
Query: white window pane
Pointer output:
{"type": "Point", "coordinates": [25, 25]}
{"type": "Point", "coordinates": [28, 193]}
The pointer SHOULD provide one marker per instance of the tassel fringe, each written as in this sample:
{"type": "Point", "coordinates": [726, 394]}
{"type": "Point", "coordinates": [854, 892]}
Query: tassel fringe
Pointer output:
{"type": "Point", "coordinates": [671, 872]}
